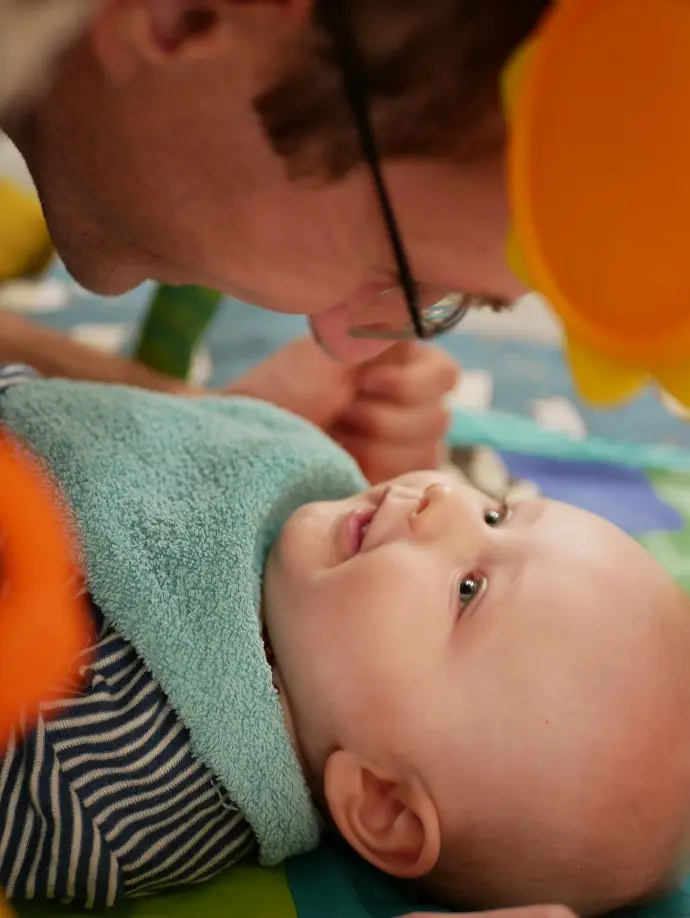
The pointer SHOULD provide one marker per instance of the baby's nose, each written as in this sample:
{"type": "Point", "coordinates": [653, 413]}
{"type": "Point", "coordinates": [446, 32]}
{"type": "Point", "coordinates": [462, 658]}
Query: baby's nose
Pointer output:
{"type": "Point", "coordinates": [442, 511]}
{"type": "Point", "coordinates": [434, 508]}
{"type": "Point", "coordinates": [433, 496]}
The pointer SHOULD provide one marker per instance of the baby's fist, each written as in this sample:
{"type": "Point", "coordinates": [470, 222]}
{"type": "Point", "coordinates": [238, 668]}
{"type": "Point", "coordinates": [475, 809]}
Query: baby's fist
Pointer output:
{"type": "Point", "coordinates": [398, 419]}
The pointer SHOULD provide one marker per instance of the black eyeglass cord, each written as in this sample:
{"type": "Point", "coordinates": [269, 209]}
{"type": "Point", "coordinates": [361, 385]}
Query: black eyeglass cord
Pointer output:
{"type": "Point", "coordinates": [347, 55]}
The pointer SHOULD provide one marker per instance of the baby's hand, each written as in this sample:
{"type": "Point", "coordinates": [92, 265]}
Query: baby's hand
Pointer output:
{"type": "Point", "coordinates": [398, 418]}
{"type": "Point", "coordinates": [389, 414]}
{"type": "Point", "coordinates": [300, 378]}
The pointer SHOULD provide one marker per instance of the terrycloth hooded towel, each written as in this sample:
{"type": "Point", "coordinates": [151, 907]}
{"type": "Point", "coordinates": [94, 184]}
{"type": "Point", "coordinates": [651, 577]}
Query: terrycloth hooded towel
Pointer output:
{"type": "Point", "coordinates": [177, 503]}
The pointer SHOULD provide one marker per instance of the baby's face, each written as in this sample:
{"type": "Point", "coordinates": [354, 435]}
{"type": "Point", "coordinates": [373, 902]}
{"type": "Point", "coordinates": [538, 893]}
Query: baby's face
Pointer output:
{"type": "Point", "coordinates": [529, 656]}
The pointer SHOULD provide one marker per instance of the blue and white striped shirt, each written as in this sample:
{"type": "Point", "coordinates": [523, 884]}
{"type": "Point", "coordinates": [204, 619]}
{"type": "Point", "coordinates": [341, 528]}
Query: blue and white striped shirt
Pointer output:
{"type": "Point", "coordinates": [103, 797]}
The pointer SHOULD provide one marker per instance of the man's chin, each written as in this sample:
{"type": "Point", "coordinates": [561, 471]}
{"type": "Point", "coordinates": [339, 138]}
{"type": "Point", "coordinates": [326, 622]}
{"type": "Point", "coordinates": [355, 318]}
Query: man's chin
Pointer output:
{"type": "Point", "coordinates": [104, 277]}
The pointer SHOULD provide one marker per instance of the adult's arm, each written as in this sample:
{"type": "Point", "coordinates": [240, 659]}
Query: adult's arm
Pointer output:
{"type": "Point", "coordinates": [54, 354]}
{"type": "Point", "coordinates": [298, 377]}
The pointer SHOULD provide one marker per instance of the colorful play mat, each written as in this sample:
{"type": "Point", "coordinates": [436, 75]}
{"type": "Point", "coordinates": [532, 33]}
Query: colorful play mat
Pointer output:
{"type": "Point", "coordinates": [632, 466]}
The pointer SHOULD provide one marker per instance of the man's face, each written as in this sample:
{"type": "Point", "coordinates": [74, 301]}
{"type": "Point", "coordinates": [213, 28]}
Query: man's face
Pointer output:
{"type": "Point", "coordinates": [152, 163]}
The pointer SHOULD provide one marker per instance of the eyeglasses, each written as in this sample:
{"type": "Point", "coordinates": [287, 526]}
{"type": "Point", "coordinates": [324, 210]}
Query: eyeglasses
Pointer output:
{"type": "Point", "coordinates": [410, 309]}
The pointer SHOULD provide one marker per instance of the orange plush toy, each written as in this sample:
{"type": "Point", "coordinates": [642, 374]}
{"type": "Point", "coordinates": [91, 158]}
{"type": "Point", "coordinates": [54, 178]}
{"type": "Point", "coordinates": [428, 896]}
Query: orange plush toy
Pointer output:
{"type": "Point", "coordinates": [5, 911]}
{"type": "Point", "coordinates": [598, 158]}
{"type": "Point", "coordinates": [43, 624]}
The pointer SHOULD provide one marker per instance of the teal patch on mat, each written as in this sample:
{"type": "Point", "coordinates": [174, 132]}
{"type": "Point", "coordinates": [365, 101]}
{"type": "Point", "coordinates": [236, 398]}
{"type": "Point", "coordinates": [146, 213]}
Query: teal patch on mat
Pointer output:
{"type": "Point", "coordinates": [334, 883]}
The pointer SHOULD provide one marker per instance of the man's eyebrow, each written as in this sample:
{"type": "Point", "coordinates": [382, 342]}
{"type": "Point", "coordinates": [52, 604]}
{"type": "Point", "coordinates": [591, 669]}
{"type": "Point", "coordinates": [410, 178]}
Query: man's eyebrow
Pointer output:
{"type": "Point", "coordinates": [496, 303]}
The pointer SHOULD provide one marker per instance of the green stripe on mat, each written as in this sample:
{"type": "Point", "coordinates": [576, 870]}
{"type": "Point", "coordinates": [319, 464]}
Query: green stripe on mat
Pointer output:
{"type": "Point", "coordinates": [672, 549]}
{"type": "Point", "coordinates": [176, 320]}
{"type": "Point", "coordinates": [240, 892]}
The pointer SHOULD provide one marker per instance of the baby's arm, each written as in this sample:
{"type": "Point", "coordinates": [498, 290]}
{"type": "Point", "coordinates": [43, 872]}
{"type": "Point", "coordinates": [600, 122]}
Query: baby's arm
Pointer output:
{"type": "Point", "coordinates": [105, 798]}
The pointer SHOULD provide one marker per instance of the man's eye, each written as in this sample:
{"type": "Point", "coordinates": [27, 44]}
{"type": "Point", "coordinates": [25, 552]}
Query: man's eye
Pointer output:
{"type": "Point", "coordinates": [496, 516]}
{"type": "Point", "coordinates": [487, 301]}
{"type": "Point", "coordinates": [470, 588]}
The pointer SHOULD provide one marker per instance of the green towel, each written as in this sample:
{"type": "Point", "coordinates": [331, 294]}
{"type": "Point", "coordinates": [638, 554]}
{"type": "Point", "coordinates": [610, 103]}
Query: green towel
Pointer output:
{"type": "Point", "coordinates": [177, 503]}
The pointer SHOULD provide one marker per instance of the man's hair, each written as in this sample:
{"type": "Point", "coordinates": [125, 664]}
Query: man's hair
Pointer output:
{"type": "Point", "coordinates": [432, 71]}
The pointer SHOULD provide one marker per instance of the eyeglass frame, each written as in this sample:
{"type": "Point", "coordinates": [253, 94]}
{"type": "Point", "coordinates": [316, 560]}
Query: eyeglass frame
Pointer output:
{"type": "Point", "coordinates": [349, 60]}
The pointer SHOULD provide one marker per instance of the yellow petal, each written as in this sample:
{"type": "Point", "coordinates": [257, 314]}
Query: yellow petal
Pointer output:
{"type": "Point", "coordinates": [25, 246]}
{"type": "Point", "coordinates": [675, 379]}
{"type": "Point", "coordinates": [599, 379]}
{"type": "Point", "coordinates": [513, 76]}
{"type": "Point", "coordinates": [516, 260]}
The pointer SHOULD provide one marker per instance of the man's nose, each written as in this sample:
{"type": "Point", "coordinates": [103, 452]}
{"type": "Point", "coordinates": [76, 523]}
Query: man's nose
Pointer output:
{"type": "Point", "coordinates": [332, 330]}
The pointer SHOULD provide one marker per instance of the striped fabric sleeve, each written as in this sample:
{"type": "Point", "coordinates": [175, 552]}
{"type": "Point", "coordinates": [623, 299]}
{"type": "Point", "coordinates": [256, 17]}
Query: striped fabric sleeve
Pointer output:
{"type": "Point", "coordinates": [104, 798]}
{"type": "Point", "coordinates": [13, 373]}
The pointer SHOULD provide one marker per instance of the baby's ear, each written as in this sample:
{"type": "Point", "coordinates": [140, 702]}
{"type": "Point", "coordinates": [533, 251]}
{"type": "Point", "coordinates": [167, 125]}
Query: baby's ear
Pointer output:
{"type": "Point", "coordinates": [391, 821]}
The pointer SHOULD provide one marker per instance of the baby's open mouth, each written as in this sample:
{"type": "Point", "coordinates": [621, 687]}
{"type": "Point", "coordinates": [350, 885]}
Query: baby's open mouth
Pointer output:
{"type": "Point", "coordinates": [357, 525]}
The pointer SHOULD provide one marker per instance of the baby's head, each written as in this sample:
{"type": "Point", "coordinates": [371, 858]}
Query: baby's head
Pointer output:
{"type": "Point", "coordinates": [497, 701]}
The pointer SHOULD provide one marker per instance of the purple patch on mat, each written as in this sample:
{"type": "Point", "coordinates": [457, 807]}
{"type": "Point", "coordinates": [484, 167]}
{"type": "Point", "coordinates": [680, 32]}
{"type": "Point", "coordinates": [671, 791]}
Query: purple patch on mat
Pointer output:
{"type": "Point", "coordinates": [619, 494]}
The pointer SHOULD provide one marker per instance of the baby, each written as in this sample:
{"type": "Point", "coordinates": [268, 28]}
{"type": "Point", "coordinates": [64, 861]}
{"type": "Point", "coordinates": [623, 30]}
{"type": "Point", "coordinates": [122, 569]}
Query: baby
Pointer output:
{"type": "Point", "coordinates": [492, 701]}
{"type": "Point", "coordinates": [496, 699]}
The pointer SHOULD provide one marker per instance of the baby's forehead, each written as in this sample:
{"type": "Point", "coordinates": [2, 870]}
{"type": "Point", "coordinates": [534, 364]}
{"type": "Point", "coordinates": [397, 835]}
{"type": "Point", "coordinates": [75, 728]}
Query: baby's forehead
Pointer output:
{"type": "Point", "coordinates": [588, 534]}
{"type": "Point", "coordinates": [627, 581]}
{"type": "Point", "coordinates": [580, 566]}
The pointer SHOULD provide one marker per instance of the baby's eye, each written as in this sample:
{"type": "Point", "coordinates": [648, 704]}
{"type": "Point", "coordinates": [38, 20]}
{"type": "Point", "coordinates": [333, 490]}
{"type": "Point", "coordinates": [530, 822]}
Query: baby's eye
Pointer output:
{"type": "Point", "coordinates": [496, 516]}
{"type": "Point", "coordinates": [470, 588]}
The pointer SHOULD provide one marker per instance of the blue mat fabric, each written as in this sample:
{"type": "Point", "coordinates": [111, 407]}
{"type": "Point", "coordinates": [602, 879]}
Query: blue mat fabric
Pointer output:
{"type": "Point", "coordinates": [624, 496]}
